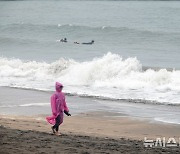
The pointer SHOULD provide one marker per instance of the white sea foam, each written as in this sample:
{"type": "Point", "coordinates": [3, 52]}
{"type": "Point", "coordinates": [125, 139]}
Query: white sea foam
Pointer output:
{"type": "Point", "coordinates": [34, 104]}
{"type": "Point", "coordinates": [168, 120]}
{"type": "Point", "coordinates": [25, 105]}
{"type": "Point", "coordinates": [103, 27]}
{"type": "Point", "coordinates": [109, 76]}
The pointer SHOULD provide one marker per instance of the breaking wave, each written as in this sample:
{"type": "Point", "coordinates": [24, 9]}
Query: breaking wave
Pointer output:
{"type": "Point", "coordinates": [109, 76]}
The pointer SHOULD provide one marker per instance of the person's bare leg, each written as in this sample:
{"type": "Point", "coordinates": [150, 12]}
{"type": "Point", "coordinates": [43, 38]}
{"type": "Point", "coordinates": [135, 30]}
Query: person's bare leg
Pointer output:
{"type": "Point", "coordinates": [53, 130]}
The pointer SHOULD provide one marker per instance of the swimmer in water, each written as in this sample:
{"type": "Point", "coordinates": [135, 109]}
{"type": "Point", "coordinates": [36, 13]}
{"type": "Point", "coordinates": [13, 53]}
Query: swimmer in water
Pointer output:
{"type": "Point", "coordinates": [76, 43]}
{"type": "Point", "coordinates": [89, 43]}
{"type": "Point", "coordinates": [63, 40]}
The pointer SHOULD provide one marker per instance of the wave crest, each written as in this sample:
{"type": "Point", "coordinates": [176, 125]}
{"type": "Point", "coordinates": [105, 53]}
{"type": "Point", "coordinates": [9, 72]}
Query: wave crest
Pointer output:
{"type": "Point", "coordinates": [108, 76]}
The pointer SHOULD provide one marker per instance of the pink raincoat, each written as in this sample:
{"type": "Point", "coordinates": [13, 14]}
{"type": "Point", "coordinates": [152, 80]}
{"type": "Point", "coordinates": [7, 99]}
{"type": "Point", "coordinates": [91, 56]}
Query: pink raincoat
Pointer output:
{"type": "Point", "coordinates": [58, 105]}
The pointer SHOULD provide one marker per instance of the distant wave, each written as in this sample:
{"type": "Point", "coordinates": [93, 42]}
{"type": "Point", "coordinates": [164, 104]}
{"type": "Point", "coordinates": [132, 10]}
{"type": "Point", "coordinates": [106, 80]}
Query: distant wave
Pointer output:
{"type": "Point", "coordinates": [66, 27]}
{"type": "Point", "coordinates": [23, 34]}
{"type": "Point", "coordinates": [109, 76]}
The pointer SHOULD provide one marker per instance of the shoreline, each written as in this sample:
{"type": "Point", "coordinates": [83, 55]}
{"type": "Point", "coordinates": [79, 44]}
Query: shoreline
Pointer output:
{"type": "Point", "coordinates": [33, 102]}
{"type": "Point", "coordinates": [101, 134]}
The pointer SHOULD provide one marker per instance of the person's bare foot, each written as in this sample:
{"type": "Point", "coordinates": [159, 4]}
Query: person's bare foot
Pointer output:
{"type": "Point", "coordinates": [58, 134]}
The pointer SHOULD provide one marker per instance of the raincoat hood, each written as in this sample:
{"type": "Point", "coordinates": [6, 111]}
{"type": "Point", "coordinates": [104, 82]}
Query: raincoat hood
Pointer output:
{"type": "Point", "coordinates": [58, 85]}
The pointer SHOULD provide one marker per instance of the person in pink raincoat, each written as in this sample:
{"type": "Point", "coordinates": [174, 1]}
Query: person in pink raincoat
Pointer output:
{"type": "Point", "coordinates": [59, 107]}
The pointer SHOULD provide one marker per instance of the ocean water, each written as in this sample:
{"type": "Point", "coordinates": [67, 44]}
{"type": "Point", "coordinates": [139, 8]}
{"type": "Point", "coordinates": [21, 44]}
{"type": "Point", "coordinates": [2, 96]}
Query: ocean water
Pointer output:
{"type": "Point", "coordinates": [135, 56]}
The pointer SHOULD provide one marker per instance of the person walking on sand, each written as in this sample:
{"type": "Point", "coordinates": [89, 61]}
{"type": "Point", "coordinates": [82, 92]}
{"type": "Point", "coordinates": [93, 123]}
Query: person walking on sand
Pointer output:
{"type": "Point", "coordinates": [59, 107]}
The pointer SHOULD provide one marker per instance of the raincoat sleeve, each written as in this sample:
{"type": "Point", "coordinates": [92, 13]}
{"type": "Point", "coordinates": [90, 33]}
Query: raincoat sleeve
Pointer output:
{"type": "Point", "coordinates": [65, 105]}
{"type": "Point", "coordinates": [53, 104]}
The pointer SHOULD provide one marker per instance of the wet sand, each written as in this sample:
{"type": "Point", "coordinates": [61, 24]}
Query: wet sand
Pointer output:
{"type": "Point", "coordinates": [85, 133]}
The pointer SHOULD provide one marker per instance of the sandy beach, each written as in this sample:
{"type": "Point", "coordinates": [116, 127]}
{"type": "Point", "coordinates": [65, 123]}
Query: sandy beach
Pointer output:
{"type": "Point", "coordinates": [84, 133]}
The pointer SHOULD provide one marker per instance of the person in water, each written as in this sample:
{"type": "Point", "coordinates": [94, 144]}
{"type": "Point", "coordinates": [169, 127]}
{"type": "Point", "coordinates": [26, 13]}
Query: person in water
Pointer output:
{"type": "Point", "coordinates": [64, 40]}
{"type": "Point", "coordinates": [76, 43]}
{"type": "Point", "coordinates": [89, 43]}
{"type": "Point", "coordinates": [59, 107]}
